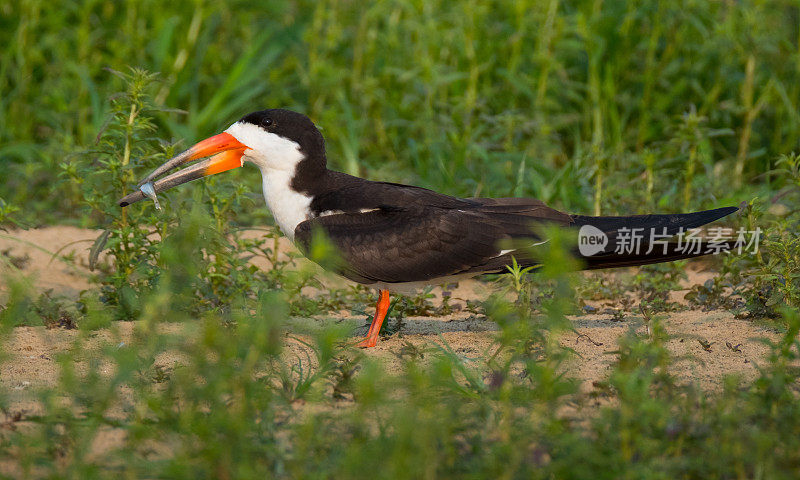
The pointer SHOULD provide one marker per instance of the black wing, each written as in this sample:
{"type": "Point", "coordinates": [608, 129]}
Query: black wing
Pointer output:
{"type": "Point", "coordinates": [416, 243]}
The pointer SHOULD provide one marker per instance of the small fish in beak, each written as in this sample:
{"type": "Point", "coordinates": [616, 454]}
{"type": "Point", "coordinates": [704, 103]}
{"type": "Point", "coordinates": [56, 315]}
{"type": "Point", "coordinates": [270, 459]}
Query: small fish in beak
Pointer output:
{"type": "Point", "coordinates": [225, 153]}
{"type": "Point", "coordinates": [150, 192]}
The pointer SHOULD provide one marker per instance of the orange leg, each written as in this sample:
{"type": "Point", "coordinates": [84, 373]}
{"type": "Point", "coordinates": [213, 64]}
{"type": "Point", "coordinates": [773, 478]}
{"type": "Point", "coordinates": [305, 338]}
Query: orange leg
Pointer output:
{"type": "Point", "coordinates": [377, 321]}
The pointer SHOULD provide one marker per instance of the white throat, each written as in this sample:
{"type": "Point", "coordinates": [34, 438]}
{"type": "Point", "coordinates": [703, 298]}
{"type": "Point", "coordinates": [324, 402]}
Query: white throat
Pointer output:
{"type": "Point", "coordinates": [288, 206]}
{"type": "Point", "coordinates": [277, 157]}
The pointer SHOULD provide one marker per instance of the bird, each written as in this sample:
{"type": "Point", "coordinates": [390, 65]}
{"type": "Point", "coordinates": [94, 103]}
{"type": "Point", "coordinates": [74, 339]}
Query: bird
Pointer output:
{"type": "Point", "coordinates": [397, 238]}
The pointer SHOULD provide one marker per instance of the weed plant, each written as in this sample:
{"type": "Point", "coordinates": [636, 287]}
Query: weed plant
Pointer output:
{"type": "Point", "coordinates": [132, 238]}
{"type": "Point", "coordinates": [776, 269]}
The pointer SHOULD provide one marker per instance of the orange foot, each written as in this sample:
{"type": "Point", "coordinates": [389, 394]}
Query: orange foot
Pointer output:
{"type": "Point", "coordinates": [367, 343]}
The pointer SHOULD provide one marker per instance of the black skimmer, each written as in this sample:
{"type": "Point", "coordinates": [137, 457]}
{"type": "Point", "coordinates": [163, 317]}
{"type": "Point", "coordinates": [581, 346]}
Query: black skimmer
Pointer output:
{"type": "Point", "coordinates": [396, 237]}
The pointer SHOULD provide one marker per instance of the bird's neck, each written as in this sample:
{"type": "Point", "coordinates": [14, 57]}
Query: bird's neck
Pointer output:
{"type": "Point", "coordinates": [289, 195]}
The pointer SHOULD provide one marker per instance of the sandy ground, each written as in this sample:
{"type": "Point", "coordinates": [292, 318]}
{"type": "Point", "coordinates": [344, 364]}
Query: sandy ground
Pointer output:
{"type": "Point", "coordinates": [31, 351]}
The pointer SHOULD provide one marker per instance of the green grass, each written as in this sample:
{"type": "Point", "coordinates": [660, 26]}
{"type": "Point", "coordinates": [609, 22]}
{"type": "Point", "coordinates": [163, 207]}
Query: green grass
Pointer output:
{"type": "Point", "coordinates": [592, 106]}
{"type": "Point", "coordinates": [565, 101]}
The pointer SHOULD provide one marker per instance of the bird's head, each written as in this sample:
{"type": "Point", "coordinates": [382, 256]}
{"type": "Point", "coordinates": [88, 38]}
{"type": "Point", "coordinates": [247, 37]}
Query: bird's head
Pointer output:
{"type": "Point", "coordinates": [273, 140]}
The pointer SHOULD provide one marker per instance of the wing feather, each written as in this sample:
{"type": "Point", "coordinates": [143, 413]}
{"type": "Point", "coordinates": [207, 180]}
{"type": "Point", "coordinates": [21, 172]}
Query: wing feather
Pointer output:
{"type": "Point", "coordinates": [420, 242]}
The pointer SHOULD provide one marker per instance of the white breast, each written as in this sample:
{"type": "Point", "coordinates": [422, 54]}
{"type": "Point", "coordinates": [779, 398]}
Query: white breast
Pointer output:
{"type": "Point", "coordinates": [288, 207]}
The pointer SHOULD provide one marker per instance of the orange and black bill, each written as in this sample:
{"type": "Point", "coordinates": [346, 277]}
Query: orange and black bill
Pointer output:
{"type": "Point", "coordinates": [225, 151]}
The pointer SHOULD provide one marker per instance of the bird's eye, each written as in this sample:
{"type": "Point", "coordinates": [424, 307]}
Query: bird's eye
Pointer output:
{"type": "Point", "coordinates": [267, 122]}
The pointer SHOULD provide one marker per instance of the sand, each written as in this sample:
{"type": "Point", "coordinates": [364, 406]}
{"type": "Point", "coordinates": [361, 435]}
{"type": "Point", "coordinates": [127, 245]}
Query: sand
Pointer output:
{"type": "Point", "coordinates": [31, 351]}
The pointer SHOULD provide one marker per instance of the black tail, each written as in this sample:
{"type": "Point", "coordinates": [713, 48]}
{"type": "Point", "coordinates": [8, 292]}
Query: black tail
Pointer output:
{"type": "Point", "coordinates": [660, 254]}
{"type": "Point", "coordinates": [673, 222]}
{"type": "Point", "coordinates": [606, 242]}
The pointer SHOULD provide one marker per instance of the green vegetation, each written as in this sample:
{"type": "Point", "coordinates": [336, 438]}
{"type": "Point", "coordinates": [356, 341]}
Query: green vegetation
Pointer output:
{"type": "Point", "coordinates": [588, 105]}
{"type": "Point", "coordinates": [591, 106]}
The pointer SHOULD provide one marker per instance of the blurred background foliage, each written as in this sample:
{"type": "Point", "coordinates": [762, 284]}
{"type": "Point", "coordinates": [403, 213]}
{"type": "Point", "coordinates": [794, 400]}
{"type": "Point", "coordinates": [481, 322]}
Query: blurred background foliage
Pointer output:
{"type": "Point", "coordinates": [593, 106]}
